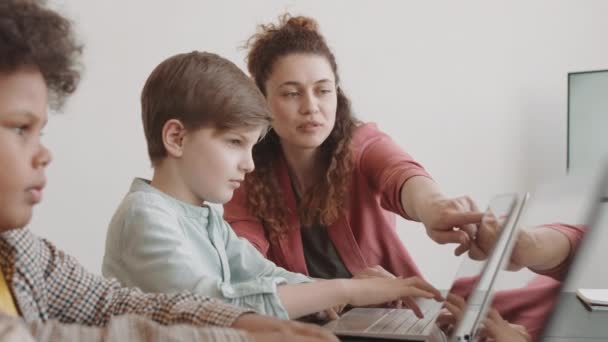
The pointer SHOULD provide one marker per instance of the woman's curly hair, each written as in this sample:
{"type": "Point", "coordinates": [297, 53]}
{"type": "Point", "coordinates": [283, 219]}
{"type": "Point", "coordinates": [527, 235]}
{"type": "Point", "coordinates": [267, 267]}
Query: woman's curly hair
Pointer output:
{"type": "Point", "coordinates": [34, 36]}
{"type": "Point", "coordinates": [324, 202]}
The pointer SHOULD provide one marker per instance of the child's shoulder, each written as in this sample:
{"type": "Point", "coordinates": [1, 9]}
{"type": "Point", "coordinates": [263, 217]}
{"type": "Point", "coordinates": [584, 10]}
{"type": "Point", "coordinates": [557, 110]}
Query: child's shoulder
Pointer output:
{"type": "Point", "coordinates": [19, 239]}
{"type": "Point", "coordinates": [146, 204]}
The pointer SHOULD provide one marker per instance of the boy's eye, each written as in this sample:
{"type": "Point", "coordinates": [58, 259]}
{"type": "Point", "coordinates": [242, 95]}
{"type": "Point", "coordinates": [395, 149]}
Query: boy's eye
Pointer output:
{"type": "Point", "coordinates": [235, 142]}
{"type": "Point", "coordinates": [291, 94]}
{"type": "Point", "coordinates": [21, 130]}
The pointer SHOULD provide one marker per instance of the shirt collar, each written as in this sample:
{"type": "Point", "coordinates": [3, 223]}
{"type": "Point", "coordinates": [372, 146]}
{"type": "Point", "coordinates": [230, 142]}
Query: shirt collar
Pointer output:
{"type": "Point", "coordinates": [187, 209]}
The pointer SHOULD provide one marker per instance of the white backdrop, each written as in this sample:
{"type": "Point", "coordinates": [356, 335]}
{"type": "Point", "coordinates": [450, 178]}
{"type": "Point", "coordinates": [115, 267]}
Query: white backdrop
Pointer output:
{"type": "Point", "coordinates": [475, 90]}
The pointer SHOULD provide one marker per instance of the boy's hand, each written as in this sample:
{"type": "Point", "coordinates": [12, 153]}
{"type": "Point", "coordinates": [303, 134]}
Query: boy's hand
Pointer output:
{"type": "Point", "coordinates": [374, 272]}
{"type": "Point", "coordinates": [363, 292]}
{"type": "Point", "coordinates": [265, 328]}
{"type": "Point", "coordinates": [379, 272]}
{"type": "Point", "coordinates": [334, 313]}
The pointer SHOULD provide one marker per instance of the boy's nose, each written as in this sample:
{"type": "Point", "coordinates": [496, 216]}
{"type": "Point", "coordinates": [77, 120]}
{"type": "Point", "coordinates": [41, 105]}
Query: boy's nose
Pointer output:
{"type": "Point", "coordinates": [43, 158]}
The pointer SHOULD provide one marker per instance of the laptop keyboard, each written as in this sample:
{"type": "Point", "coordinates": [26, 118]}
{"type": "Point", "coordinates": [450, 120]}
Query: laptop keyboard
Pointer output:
{"type": "Point", "coordinates": [403, 322]}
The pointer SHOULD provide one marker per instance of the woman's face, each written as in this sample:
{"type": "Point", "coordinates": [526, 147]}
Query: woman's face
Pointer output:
{"type": "Point", "coordinates": [301, 92]}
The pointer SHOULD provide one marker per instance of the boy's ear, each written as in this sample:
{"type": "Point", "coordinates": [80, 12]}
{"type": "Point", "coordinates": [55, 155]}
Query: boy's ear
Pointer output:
{"type": "Point", "coordinates": [173, 137]}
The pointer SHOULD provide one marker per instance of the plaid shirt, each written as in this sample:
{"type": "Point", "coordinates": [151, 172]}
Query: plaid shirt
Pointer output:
{"type": "Point", "coordinates": [51, 289]}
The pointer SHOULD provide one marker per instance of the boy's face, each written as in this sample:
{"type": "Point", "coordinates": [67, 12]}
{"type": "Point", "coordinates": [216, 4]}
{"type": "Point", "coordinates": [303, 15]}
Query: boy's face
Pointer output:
{"type": "Point", "coordinates": [23, 114]}
{"type": "Point", "coordinates": [214, 162]}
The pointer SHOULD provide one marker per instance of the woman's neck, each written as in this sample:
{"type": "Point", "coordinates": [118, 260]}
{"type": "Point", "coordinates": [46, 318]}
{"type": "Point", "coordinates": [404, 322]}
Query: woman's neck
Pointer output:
{"type": "Point", "coordinates": [304, 165]}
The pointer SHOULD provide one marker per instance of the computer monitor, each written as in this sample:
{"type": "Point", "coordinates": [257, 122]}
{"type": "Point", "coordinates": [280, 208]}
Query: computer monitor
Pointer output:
{"type": "Point", "coordinates": [587, 119]}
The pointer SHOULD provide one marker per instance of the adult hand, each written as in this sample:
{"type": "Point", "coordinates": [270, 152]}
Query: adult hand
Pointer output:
{"type": "Point", "coordinates": [451, 313]}
{"type": "Point", "coordinates": [451, 220]}
{"type": "Point", "coordinates": [495, 328]}
{"type": "Point", "coordinates": [487, 236]}
{"type": "Point", "coordinates": [265, 328]}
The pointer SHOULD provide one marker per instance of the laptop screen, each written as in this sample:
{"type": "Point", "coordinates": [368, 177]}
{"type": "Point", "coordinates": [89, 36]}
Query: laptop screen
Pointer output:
{"type": "Point", "coordinates": [472, 289]}
{"type": "Point", "coordinates": [563, 207]}
{"type": "Point", "coordinates": [478, 275]}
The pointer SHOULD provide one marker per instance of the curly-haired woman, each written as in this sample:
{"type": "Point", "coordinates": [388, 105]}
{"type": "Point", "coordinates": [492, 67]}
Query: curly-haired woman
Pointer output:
{"type": "Point", "coordinates": [323, 197]}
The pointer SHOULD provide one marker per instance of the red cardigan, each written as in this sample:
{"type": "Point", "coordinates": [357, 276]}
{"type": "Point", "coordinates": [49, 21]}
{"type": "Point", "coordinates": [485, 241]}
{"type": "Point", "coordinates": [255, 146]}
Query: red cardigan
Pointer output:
{"type": "Point", "coordinates": [365, 235]}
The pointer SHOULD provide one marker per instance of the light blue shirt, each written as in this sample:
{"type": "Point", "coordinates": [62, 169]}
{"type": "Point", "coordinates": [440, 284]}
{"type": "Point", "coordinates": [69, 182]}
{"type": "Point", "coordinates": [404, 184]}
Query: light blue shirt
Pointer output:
{"type": "Point", "coordinates": [160, 244]}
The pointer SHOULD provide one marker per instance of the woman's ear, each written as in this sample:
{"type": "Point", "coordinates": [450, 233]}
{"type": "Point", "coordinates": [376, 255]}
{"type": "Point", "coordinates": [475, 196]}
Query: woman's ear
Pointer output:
{"type": "Point", "coordinates": [173, 137]}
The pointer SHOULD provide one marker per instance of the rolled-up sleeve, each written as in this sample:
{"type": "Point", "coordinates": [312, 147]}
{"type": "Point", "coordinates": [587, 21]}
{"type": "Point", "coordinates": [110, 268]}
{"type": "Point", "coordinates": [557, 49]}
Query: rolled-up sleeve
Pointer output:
{"type": "Point", "coordinates": [575, 234]}
{"type": "Point", "coordinates": [386, 166]}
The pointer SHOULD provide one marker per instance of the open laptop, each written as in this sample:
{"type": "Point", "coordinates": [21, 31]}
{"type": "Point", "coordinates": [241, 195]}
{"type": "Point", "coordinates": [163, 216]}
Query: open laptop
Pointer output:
{"type": "Point", "coordinates": [575, 201]}
{"type": "Point", "coordinates": [481, 298]}
{"type": "Point", "coordinates": [402, 324]}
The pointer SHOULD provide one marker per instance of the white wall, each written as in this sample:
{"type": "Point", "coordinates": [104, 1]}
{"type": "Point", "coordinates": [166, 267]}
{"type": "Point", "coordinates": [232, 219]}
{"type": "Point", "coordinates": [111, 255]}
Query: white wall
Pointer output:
{"type": "Point", "coordinates": [475, 90]}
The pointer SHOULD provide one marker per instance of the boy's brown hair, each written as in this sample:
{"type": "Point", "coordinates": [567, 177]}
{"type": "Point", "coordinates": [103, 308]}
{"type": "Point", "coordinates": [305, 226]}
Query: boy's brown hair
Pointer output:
{"type": "Point", "coordinates": [199, 89]}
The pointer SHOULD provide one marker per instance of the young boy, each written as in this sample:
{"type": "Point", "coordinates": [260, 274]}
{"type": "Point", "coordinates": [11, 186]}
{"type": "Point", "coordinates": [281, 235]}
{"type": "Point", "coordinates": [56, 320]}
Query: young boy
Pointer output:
{"type": "Point", "coordinates": [202, 116]}
{"type": "Point", "coordinates": [45, 293]}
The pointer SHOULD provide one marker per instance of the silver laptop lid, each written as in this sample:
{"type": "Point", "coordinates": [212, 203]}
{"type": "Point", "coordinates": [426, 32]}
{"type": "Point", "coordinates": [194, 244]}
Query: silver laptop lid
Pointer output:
{"type": "Point", "coordinates": [505, 212]}
{"type": "Point", "coordinates": [568, 204]}
{"type": "Point", "coordinates": [362, 322]}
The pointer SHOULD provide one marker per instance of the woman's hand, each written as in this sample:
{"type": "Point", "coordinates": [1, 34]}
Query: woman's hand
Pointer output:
{"type": "Point", "coordinates": [494, 327]}
{"type": "Point", "coordinates": [487, 237]}
{"type": "Point", "coordinates": [451, 220]}
{"type": "Point", "coordinates": [447, 220]}
{"type": "Point", "coordinates": [451, 313]}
